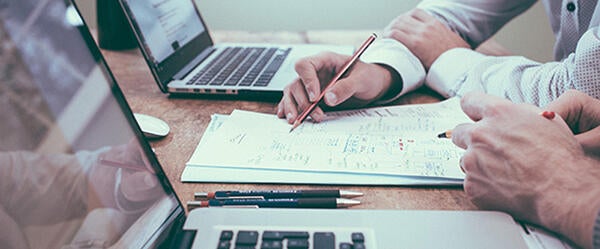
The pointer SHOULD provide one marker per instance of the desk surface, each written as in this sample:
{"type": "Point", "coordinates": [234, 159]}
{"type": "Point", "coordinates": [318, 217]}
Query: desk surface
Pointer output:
{"type": "Point", "coordinates": [189, 117]}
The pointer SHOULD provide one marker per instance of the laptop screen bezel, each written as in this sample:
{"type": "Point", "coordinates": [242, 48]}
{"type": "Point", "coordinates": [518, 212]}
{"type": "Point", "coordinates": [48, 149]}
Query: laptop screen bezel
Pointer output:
{"type": "Point", "coordinates": [178, 213]}
{"type": "Point", "coordinates": [163, 72]}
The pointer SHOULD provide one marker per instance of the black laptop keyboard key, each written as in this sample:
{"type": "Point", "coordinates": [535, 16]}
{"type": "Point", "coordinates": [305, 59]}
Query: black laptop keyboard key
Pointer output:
{"type": "Point", "coordinates": [358, 237]}
{"type": "Point", "coordinates": [226, 235]}
{"type": "Point", "coordinates": [246, 238]}
{"type": "Point", "coordinates": [359, 246]}
{"type": "Point", "coordinates": [271, 244]}
{"type": "Point", "coordinates": [345, 245]}
{"type": "Point", "coordinates": [324, 240]}
{"type": "Point", "coordinates": [280, 235]}
{"type": "Point", "coordinates": [224, 245]}
{"type": "Point", "coordinates": [297, 244]}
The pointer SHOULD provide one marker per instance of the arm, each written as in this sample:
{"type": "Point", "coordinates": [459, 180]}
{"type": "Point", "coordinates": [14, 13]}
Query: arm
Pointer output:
{"type": "Point", "coordinates": [531, 167]}
{"type": "Point", "coordinates": [475, 21]}
{"type": "Point", "coordinates": [31, 182]}
{"type": "Point", "coordinates": [517, 78]}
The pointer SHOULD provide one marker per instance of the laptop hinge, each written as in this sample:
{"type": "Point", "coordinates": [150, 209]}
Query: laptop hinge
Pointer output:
{"type": "Point", "coordinates": [184, 240]}
{"type": "Point", "coordinates": [193, 63]}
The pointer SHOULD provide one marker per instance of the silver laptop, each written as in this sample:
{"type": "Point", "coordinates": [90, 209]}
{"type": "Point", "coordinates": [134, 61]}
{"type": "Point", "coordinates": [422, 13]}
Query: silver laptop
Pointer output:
{"type": "Point", "coordinates": [76, 171]}
{"type": "Point", "coordinates": [184, 60]}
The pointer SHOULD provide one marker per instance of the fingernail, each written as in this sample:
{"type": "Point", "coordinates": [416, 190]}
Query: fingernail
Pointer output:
{"type": "Point", "coordinates": [289, 117]}
{"type": "Point", "coordinates": [331, 98]}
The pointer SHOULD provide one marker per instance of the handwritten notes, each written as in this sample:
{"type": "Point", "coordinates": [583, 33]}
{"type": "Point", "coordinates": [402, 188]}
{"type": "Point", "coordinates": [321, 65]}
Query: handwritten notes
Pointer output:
{"type": "Point", "coordinates": [397, 140]}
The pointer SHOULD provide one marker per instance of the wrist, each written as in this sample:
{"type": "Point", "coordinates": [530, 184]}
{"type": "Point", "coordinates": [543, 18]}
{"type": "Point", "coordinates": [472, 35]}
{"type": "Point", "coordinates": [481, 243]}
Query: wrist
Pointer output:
{"type": "Point", "coordinates": [391, 83]}
{"type": "Point", "coordinates": [572, 209]}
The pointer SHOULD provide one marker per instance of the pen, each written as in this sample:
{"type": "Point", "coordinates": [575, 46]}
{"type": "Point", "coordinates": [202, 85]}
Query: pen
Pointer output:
{"type": "Point", "coordinates": [270, 194]}
{"type": "Point", "coordinates": [277, 203]}
{"type": "Point", "coordinates": [339, 75]}
{"type": "Point", "coordinates": [546, 114]}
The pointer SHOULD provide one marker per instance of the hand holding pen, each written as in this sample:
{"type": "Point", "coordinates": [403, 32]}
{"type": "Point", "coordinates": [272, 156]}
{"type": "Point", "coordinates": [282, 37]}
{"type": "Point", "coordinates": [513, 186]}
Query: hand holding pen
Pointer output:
{"type": "Point", "coordinates": [345, 69]}
{"type": "Point", "coordinates": [364, 83]}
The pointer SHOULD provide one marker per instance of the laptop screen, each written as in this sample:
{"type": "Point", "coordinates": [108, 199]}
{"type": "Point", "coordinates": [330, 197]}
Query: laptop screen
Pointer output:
{"type": "Point", "coordinates": [171, 34]}
{"type": "Point", "coordinates": [166, 25]}
{"type": "Point", "coordinates": [75, 170]}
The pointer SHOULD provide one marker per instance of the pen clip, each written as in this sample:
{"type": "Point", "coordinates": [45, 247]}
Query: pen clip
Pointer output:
{"type": "Point", "coordinates": [235, 206]}
{"type": "Point", "coordinates": [240, 197]}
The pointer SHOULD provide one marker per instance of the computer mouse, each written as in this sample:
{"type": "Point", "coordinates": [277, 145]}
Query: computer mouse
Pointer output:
{"type": "Point", "coordinates": [152, 127]}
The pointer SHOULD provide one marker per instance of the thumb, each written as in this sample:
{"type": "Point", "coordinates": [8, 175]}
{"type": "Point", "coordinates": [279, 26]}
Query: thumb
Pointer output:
{"type": "Point", "coordinates": [341, 91]}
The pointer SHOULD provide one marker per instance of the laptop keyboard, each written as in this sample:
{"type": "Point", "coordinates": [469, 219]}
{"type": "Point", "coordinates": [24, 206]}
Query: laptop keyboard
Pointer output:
{"type": "Point", "coordinates": [249, 239]}
{"type": "Point", "coordinates": [241, 66]}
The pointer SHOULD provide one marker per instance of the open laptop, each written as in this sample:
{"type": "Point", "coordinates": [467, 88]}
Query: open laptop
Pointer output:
{"type": "Point", "coordinates": [183, 58]}
{"type": "Point", "coordinates": [77, 172]}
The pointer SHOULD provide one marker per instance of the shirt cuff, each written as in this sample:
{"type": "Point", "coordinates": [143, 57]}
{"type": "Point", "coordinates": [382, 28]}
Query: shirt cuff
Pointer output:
{"type": "Point", "coordinates": [449, 72]}
{"type": "Point", "coordinates": [394, 54]}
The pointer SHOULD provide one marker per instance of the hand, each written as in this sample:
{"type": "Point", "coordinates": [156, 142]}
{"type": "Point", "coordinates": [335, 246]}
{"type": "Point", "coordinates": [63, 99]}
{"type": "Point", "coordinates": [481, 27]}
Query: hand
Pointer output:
{"type": "Point", "coordinates": [123, 178]}
{"type": "Point", "coordinates": [533, 168]}
{"type": "Point", "coordinates": [425, 36]}
{"type": "Point", "coordinates": [363, 84]}
{"type": "Point", "coordinates": [582, 113]}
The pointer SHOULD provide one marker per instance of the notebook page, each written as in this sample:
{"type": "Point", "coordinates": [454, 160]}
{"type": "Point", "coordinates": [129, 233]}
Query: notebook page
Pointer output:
{"type": "Point", "coordinates": [402, 143]}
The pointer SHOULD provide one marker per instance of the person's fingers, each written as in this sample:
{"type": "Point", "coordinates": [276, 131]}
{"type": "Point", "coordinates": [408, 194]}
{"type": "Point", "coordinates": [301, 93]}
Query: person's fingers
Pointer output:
{"type": "Point", "coordinates": [289, 108]}
{"type": "Point", "coordinates": [402, 29]}
{"type": "Point", "coordinates": [280, 112]}
{"type": "Point", "coordinates": [303, 103]}
{"type": "Point", "coordinates": [579, 110]}
{"type": "Point", "coordinates": [590, 141]}
{"type": "Point", "coordinates": [477, 105]}
{"type": "Point", "coordinates": [309, 68]}
{"type": "Point", "coordinates": [421, 15]}
{"type": "Point", "coordinates": [341, 91]}
{"type": "Point", "coordinates": [461, 135]}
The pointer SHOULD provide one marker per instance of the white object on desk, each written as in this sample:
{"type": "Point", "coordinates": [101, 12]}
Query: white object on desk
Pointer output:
{"type": "Point", "coordinates": [395, 145]}
{"type": "Point", "coordinates": [152, 127]}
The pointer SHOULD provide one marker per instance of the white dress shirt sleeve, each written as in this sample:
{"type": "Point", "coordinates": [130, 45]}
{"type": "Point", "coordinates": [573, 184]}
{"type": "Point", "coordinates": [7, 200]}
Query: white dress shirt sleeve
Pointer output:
{"type": "Point", "coordinates": [458, 71]}
{"type": "Point", "coordinates": [394, 54]}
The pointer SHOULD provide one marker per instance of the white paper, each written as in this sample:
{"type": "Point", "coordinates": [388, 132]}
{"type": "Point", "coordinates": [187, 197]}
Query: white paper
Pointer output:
{"type": "Point", "coordinates": [396, 141]}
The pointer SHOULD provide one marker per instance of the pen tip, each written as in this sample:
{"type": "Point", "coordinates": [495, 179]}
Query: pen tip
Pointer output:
{"type": "Point", "coordinates": [350, 194]}
{"type": "Point", "coordinates": [341, 202]}
{"type": "Point", "coordinates": [447, 134]}
{"type": "Point", "coordinates": [296, 124]}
